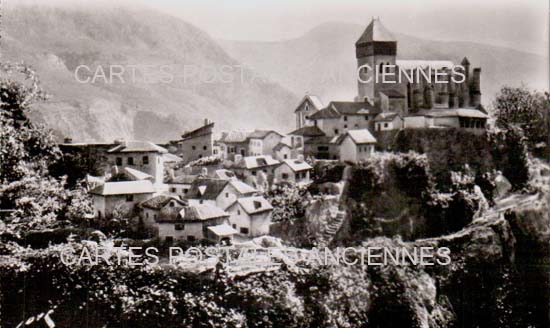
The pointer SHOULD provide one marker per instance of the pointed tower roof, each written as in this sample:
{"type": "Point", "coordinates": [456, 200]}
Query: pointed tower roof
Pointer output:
{"type": "Point", "coordinates": [375, 32]}
{"type": "Point", "coordinates": [465, 61]}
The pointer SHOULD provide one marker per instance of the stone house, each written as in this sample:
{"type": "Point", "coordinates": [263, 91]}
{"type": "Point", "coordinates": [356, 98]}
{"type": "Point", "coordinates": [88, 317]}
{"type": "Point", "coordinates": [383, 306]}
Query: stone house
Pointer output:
{"type": "Point", "coordinates": [388, 121]}
{"type": "Point", "coordinates": [196, 144]}
{"type": "Point", "coordinates": [293, 171]}
{"type": "Point", "coordinates": [251, 216]}
{"type": "Point", "coordinates": [263, 142]}
{"type": "Point", "coordinates": [218, 192]}
{"type": "Point", "coordinates": [356, 145]}
{"type": "Point", "coordinates": [195, 222]}
{"type": "Point", "coordinates": [158, 207]}
{"type": "Point", "coordinates": [143, 156]}
{"type": "Point", "coordinates": [108, 196]}
{"type": "Point", "coordinates": [309, 105]}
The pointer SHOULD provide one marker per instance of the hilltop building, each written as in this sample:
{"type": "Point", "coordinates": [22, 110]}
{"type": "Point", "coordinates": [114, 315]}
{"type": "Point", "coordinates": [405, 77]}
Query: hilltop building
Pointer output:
{"type": "Point", "coordinates": [413, 94]}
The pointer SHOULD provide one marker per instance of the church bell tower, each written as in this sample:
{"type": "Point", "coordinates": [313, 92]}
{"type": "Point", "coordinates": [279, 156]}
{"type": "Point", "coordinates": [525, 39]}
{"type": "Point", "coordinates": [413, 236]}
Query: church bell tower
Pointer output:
{"type": "Point", "coordinates": [376, 47]}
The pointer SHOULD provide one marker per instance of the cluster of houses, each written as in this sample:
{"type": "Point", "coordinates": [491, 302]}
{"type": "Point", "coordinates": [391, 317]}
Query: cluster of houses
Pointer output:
{"type": "Point", "coordinates": [218, 200]}
{"type": "Point", "coordinates": [206, 187]}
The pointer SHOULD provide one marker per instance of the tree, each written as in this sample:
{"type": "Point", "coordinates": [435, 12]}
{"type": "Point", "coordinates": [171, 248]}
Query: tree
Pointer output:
{"type": "Point", "coordinates": [26, 151]}
{"type": "Point", "coordinates": [526, 109]}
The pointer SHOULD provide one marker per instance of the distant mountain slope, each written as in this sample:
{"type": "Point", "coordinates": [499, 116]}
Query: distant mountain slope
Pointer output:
{"type": "Point", "coordinates": [323, 61]}
{"type": "Point", "coordinates": [57, 40]}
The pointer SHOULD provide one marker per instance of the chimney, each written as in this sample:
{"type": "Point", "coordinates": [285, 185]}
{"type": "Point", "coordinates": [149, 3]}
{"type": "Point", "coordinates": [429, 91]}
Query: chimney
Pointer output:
{"type": "Point", "coordinates": [238, 158]}
{"type": "Point", "coordinates": [300, 157]}
{"type": "Point", "coordinates": [206, 122]}
{"type": "Point", "coordinates": [114, 170]}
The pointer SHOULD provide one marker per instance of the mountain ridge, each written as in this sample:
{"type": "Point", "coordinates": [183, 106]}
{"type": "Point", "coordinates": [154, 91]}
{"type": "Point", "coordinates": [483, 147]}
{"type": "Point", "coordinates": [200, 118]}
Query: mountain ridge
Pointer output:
{"type": "Point", "coordinates": [330, 45]}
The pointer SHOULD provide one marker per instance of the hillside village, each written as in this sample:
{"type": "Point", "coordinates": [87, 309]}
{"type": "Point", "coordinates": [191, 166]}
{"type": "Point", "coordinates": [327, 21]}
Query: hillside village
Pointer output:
{"type": "Point", "coordinates": [401, 168]}
{"type": "Point", "coordinates": [210, 186]}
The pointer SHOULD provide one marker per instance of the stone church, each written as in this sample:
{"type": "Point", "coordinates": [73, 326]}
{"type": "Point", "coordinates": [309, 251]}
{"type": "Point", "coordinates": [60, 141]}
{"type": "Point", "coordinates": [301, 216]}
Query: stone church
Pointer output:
{"type": "Point", "coordinates": [418, 99]}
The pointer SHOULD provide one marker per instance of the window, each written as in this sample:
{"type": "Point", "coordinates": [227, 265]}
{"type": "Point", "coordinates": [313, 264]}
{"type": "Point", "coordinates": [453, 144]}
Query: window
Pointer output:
{"type": "Point", "coordinates": [172, 189]}
{"type": "Point", "coordinates": [345, 118]}
{"type": "Point", "coordinates": [201, 201]}
{"type": "Point", "coordinates": [285, 156]}
{"type": "Point", "coordinates": [130, 161]}
{"type": "Point", "coordinates": [145, 160]}
{"type": "Point", "coordinates": [366, 117]}
{"type": "Point", "coordinates": [155, 216]}
{"type": "Point", "coordinates": [172, 204]}
{"type": "Point", "coordinates": [193, 147]}
{"type": "Point", "coordinates": [169, 239]}
{"type": "Point", "coordinates": [244, 231]}
{"type": "Point", "coordinates": [234, 226]}
{"type": "Point", "coordinates": [119, 161]}
{"type": "Point", "coordinates": [129, 198]}
{"type": "Point", "coordinates": [147, 214]}
{"type": "Point", "coordinates": [385, 125]}
{"type": "Point", "coordinates": [345, 126]}
{"type": "Point", "coordinates": [191, 238]}
{"type": "Point", "coordinates": [238, 212]}
{"type": "Point", "coordinates": [204, 147]}
{"type": "Point", "coordinates": [285, 176]}
{"type": "Point", "coordinates": [179, 226]}
{"type": "Point", "coordinates": [185, 190]}
{"type": "Point", "coordinates": [335, 131]}
{"type": "Point", "coordinates": [226, 195]}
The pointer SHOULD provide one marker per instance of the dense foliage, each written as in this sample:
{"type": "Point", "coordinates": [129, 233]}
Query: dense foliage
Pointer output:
{"type": "Point", "coordinates": [35, 198]}
{"type": "Point", "coordinates": [530, 111]}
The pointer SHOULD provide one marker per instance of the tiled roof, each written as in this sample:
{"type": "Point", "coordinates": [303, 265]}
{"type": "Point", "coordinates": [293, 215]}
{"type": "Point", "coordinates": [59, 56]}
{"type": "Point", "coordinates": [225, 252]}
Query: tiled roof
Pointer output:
{"type": "Point", "coordinates": [137, 147]}
{"type": "Point", "coordinates": [253, 162]}
{"type": "Point", "coordinates": [385, 117]}
{"type": "Point", "coordinates": [359, 137]}
{"type": "Point", "coordinates": [242, 187]}
{"type": "Point", "coordinates": [202, 212]}
{"type": "Point", "coordinates": [134, 174]}
{"type": "Point", "coordinates": [224, 174]}
{"type": "Point", "coordinates": [314, 100]}
{"type": "Point", "coordinates": [202, 131]}
{"type": "Point", "coordinates": [234, 137]}
{"type": "Point", "coordinates": [124, 188]}
{"type": "Point", "coordinates": [253, 205]}
{"type": "Point", "coordinates": [206, 188]}
{"type": "Point", "coordinates": [454, 112]}
{"type": "Point", "coordinates": [223, 230]}
{"type": "Point", "coordinates": [375, 32]}
{"type": "Point", "coordinates": [171, 158]}
{"type": "Point", "coordinates": [336, 109]}
{"type": "Point", "coordinates": [297, 165]}
{"type": "Point", "coordinates": [158, 202]}
{"type": "Point", "coordinates": [308, 131]}
{"type": "Point", "coordinates": [182, 179]}
{"type": "Point", "coordinates": [261, 134]}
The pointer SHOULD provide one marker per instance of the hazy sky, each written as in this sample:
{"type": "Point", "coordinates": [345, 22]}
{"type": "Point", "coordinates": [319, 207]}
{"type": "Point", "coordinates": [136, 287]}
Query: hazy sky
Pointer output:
{"type": "Point", "coordinates": [521, 24]}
